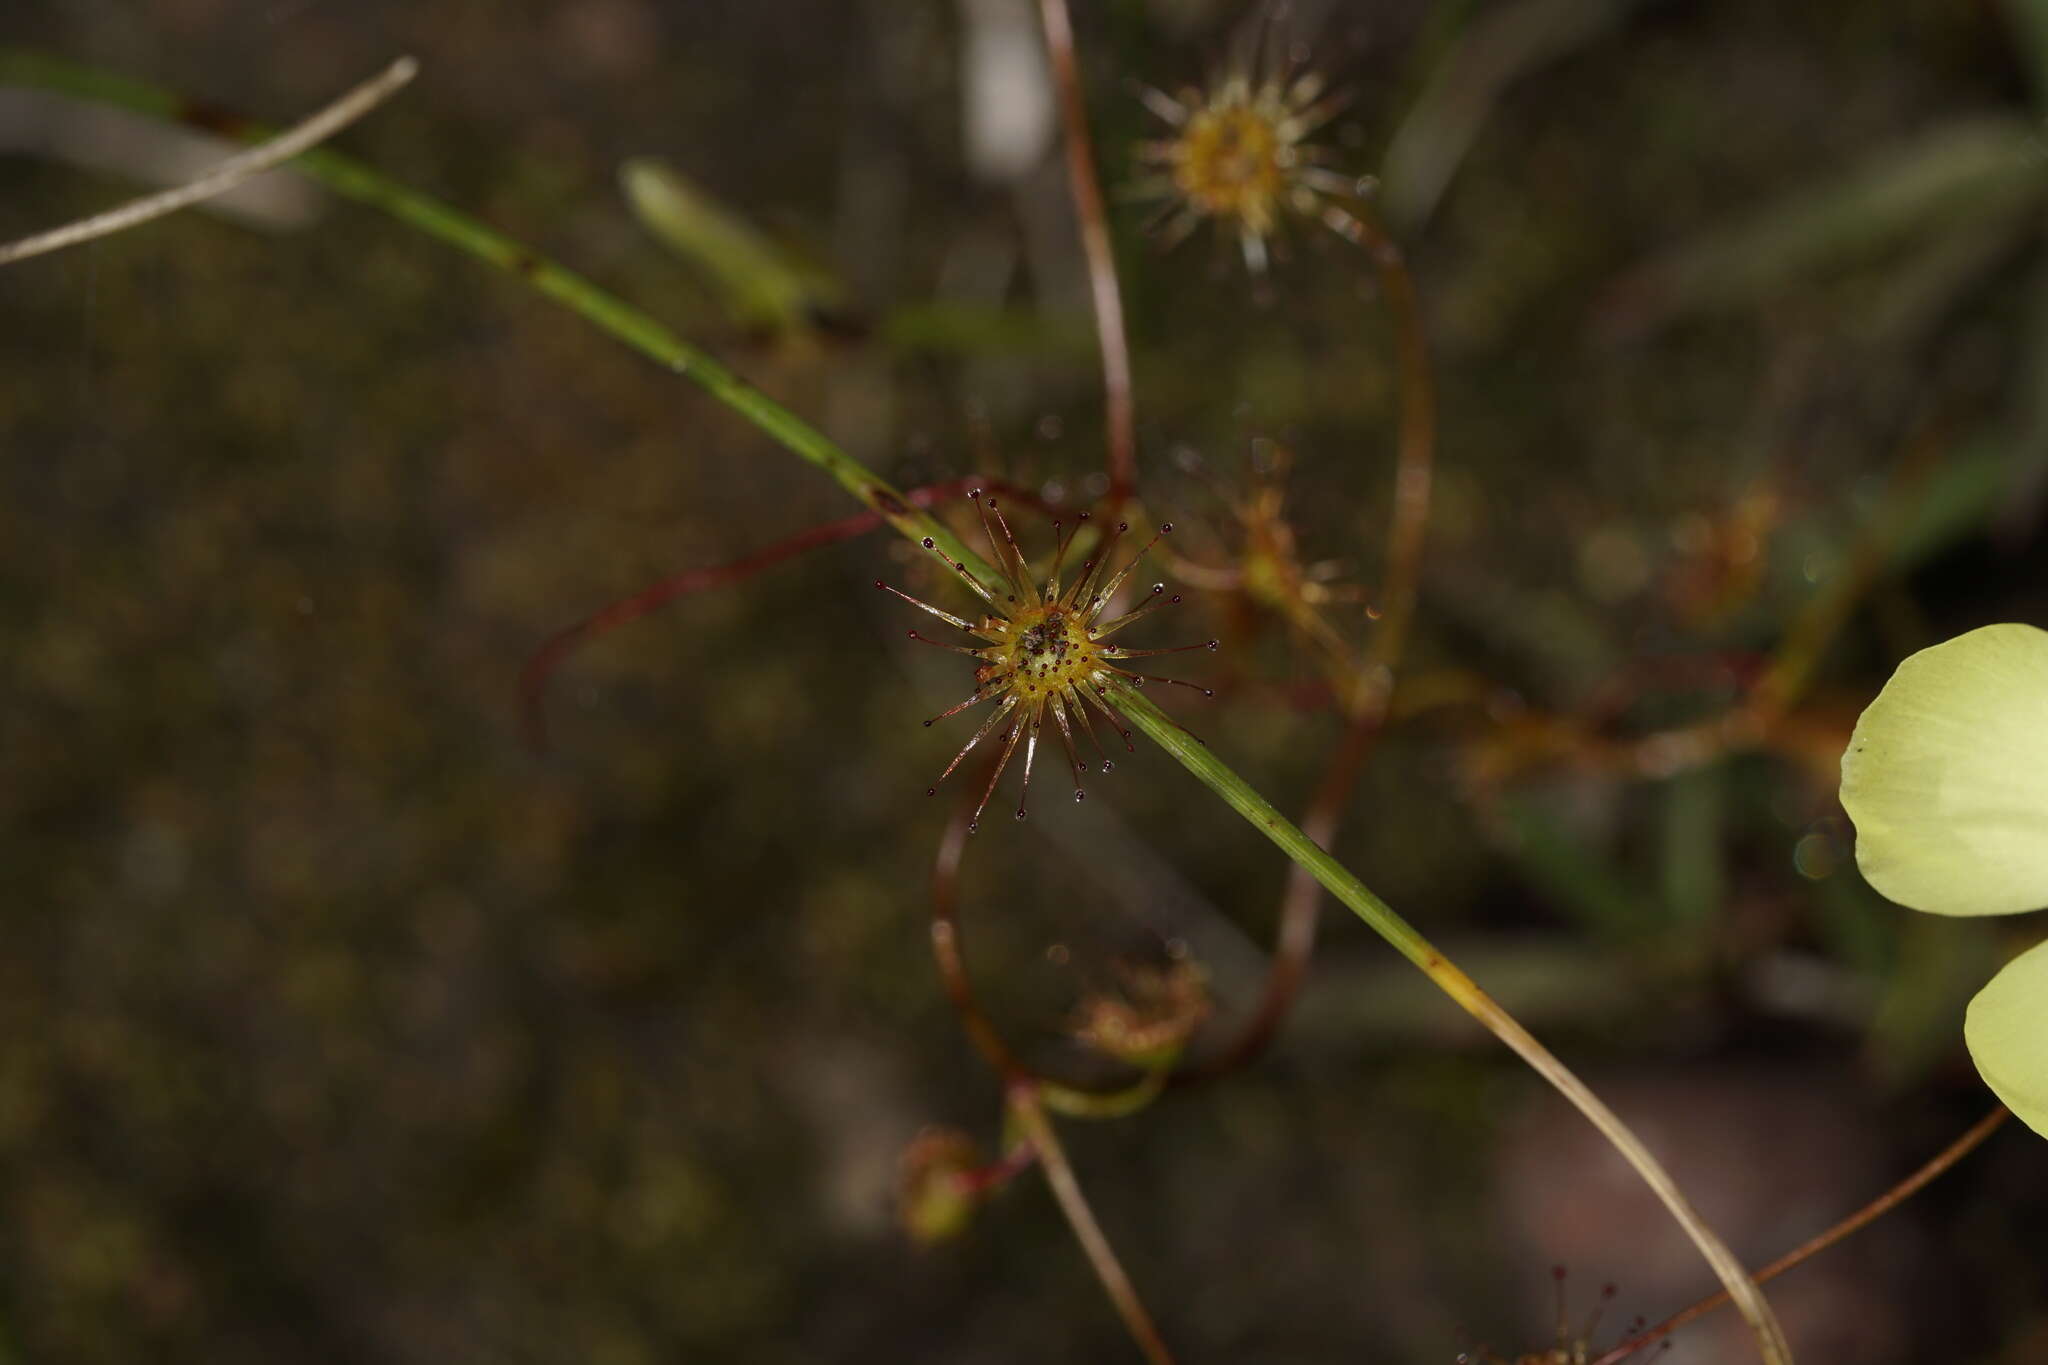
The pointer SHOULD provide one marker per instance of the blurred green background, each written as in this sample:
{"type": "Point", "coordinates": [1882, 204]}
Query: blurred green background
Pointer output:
{"type": "Point", "coordinates": [337, 1024]}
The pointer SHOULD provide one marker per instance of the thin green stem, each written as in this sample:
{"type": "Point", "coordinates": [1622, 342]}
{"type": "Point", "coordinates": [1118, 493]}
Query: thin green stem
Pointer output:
{"type": "Point", "coordinates": [1107, 1104]}
{"type": "Point", "coordinates": [1365, 694]}
{"type": "Point", "coordinates": [644, 334]}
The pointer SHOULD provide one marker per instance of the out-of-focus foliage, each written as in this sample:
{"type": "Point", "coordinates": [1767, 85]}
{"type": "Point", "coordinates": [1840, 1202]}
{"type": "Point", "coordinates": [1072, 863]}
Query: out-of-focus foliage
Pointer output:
{"type": "Point", "coordinates": [336, 1025]}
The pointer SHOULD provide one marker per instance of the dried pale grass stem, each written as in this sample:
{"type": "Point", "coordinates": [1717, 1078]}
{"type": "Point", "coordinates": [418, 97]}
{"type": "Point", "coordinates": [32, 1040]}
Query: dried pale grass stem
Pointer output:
{"type": "Point", "coordinates": [1971, 1139]}
{"type": "Point", "coordinates": [1059, 1176]}
{"type": "Point", "coordinates": [234, 171]}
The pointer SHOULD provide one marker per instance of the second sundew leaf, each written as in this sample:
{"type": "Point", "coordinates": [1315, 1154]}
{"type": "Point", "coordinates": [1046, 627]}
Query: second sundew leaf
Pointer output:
{"type": "Point", "coordinates": [1946, 776]}
{"type": "Point", "coordinates": [2007, 1030]}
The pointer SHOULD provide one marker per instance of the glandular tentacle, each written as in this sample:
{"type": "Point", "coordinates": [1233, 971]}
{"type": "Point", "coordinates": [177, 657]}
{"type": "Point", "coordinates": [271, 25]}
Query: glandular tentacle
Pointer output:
{"type": "Point", "coordinates": [1043, 650]}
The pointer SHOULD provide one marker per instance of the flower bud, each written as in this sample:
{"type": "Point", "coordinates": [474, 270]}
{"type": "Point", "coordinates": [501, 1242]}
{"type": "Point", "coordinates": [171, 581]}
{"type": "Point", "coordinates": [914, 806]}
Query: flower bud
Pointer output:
{"type": "Point", "coordinates": [938, 1198]}
{"type": "Point", "coordinates": [1149, 1021]}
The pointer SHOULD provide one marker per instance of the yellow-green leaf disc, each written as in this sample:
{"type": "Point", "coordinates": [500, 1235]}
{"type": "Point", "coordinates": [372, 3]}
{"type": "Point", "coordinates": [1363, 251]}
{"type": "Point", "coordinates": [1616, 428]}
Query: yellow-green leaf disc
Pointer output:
{"type": "Point", "coordinates": [2007, 1030]}
{"type": "Point", "coordinates": [1946, 777]}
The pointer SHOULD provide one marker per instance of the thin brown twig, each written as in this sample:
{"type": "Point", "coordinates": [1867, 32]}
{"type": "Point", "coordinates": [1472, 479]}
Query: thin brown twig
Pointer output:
{"type": "Point", "coordinates": [948, 953]}
{"type": "Point", "coordinates": [541, 664]}
{"type": "Point", "coordinates": [1121, 452]}
{"type": "Point", "coordinates": [1066, 1189]}
{"type": "Point", "coordinates": [235, 170]}
{"type": "Point", "coordinates": [1869, 1213]}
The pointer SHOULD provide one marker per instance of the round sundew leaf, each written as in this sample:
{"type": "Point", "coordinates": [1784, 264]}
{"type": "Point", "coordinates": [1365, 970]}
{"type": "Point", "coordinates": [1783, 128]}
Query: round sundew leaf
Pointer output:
{"type": "Point", "coordinates": [1946, 777]}
{"type": "Point", "coordinates": [2007, 1030]}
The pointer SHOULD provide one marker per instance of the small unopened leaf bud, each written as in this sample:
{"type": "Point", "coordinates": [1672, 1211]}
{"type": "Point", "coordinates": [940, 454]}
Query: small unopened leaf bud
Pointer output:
{"type": "Point", "coordinates": [1148, 1021]}
{"type": "Point", "coordinates": [938, 1197]}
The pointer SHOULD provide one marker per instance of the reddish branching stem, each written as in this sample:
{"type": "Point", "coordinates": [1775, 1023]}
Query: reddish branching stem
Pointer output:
{"type": "Point", "coordinates": [998, 1173]}
{"type": "Point", "coordinates": [1119, 423]}
{"type": "Point", "coordinates": [541, 664]}
{"type": "Point", "coordinates": [950, 954]}
{"type": "Point", "coordinates": [1764, 716]}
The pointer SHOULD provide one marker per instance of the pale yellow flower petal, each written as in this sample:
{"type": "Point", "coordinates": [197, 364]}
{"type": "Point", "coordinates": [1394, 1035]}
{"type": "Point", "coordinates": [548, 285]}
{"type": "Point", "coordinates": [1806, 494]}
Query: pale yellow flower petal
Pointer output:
{"type": "Point", "coordinates": [2007, 1030]}
{"type": "Point", "coordinates": [1946, 777]}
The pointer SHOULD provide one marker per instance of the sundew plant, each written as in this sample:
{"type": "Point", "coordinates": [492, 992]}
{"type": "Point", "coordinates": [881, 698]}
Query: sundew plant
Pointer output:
{"type": "Point", "coordinates": [1364, 819]}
